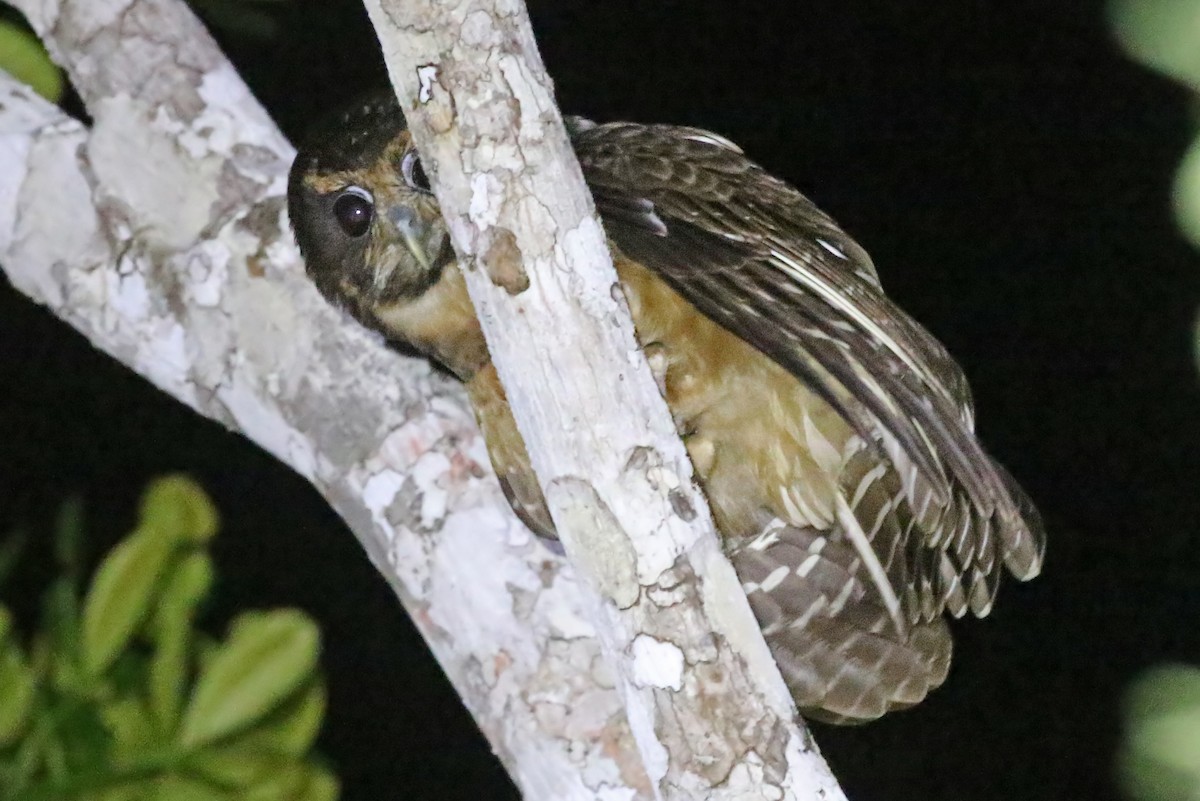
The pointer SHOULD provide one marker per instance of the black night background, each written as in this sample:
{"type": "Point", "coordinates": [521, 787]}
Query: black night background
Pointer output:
{"type": "Point", "coordinates": [1009, 171]}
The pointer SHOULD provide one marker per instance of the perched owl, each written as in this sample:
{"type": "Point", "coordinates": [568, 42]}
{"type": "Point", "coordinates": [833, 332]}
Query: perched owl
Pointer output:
{"type": "Point", "coordinates": [831, 433]}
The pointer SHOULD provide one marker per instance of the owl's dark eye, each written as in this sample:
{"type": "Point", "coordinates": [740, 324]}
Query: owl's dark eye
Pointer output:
{"type": "Point", "coordinates": [414, 173]}
{"type": "Point", "coordinates": [354, 210]}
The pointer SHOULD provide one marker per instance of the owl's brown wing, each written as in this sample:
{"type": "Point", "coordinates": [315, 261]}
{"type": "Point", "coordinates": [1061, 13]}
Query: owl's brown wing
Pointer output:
{"type": "Point", "coordinates": [757, 257]}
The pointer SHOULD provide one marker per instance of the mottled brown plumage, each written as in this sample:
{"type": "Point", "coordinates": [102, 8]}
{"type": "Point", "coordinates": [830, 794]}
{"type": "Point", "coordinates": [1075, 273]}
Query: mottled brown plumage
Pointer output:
{"type": "Point", "coordinates": [832, 434]}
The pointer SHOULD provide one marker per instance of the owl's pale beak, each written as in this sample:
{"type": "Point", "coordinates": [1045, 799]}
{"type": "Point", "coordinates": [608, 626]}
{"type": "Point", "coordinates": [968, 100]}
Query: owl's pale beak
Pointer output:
{"type": "Point", "coordinates": [415, 233]}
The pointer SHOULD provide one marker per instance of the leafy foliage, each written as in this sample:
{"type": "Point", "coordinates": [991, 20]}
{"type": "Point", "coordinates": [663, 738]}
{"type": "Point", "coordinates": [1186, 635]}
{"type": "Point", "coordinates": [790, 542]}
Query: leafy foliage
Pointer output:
{"type": "Point", "coordinates": [1160, 759]}
{"type": "Point", "coordinates": [23, 57]}
{"type": "Point", "coordinates": [1165, 36]}
{"type": "Point", "coordinates": [120, 698]}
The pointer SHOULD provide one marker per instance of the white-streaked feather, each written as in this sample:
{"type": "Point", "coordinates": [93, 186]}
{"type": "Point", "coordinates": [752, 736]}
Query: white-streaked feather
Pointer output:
{"type": "Point", "coordinates": [858, 538]}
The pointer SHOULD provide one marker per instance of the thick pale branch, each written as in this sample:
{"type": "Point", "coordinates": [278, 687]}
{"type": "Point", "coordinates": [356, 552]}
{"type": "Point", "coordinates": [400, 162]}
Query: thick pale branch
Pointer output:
{"type": "Point", "coordinates": [161, 235]}
{"type": "Point", "coordinates": [710, 713]}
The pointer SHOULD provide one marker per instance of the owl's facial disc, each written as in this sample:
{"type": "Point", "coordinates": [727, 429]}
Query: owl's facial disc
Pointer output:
{"type": "Point", "coordinates": [370, 228]}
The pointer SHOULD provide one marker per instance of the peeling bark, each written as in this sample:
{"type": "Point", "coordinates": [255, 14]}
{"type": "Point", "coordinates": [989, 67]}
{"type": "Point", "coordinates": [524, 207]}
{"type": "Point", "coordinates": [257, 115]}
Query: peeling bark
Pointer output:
{"type": "Point", "coordinates": [709, 711]}
{"type": "Point", "coordinates": [160, 234]}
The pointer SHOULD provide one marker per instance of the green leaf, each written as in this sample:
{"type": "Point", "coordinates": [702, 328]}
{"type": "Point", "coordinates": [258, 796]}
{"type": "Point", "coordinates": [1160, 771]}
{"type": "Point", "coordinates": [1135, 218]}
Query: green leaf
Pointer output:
{"type": "Point", "coordinates": [293, 727]}
{"type": "Point", "coordinates": [301, 782]}
{"type": "Point", "coordinates": [121, 595]}
{"type": "Point", "coordinates": [30, 755]}
{"type": "Point", "coordinates": [1161, 754]}
{"type": "Point", "coordinates": [60, 613]}
{"type": "Point", "coordinates": [187, 584]}
{"type": "Point", "coordinates": [168, 676]}
{"type": "Point", "coordinates": [236, 764]}
{"type": "Point", "coordinates": [321, 785]}
{"type": "Point", "coordinates": [129, 722]}
{"type": "Point", "coordinates": [275, 744]}
{"type": "Point", "coordinates": [1164, 690]}
{"type": "Point", "coordinates": [127, 791]}
{"type": "Point", "coordinates": [1162, 34]}
{"type": "Point", "coordinates": [41, 654]}
{"type": "Point", "coordinates": [18, 685]}
{"type": "Point", "coordinates": [9, 778]}
{"type": "Point", "coordinates": [179, 507]}
{"type": "Point", "coordinates": [266, 658]}
{"type": "Point", "coordinates": [1186, 192]}
{"type": "Point", "coordinates": [84, 736]}
{"type": "Point", "coordinates": [23, 57]}
{"type": "Point", "coordinates": [181, 788]}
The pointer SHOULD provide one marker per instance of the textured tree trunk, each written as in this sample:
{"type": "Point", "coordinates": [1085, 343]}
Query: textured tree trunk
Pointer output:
{"type": "Point", "coordinates": [161, 235]}
{"type": "Point", "coordinates": [709, 711]}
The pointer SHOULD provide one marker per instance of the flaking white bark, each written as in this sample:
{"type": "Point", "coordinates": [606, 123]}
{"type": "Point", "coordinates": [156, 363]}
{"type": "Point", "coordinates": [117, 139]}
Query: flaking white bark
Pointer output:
{"type": "Point", "coordinates": [708, 708]}
{"type": "Point", "coordinates": [160, 234]}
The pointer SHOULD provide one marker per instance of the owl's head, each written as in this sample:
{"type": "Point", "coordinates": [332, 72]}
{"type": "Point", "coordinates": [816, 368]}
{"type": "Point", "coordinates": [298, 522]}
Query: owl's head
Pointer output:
{"type": "Point", "coordinates": [366, 221]}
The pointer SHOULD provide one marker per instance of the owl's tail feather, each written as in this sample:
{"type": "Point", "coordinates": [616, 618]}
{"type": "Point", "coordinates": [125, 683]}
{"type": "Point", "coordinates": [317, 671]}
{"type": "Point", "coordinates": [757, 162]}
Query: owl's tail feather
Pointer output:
{"type": "Point", "coordinates": [836, 645]}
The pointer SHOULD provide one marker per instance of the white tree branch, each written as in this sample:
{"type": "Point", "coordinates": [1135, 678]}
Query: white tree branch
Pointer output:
{"type": "Point", "coordinates": [160, 234]}
{"type": "Point", "coordinates": [709, 710]}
